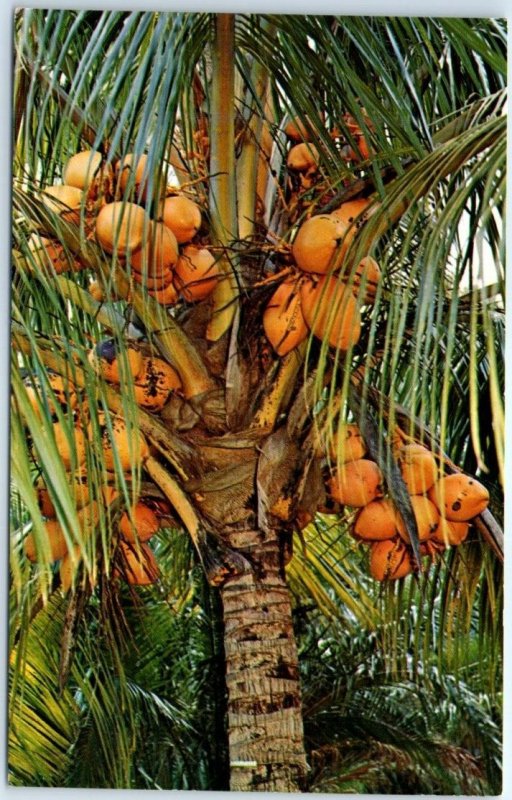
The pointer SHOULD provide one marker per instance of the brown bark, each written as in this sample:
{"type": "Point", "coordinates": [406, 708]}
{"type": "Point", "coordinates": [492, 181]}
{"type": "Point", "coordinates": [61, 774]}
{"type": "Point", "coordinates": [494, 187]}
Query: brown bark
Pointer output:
{"type": "Point", "coordinates": [266, 741]}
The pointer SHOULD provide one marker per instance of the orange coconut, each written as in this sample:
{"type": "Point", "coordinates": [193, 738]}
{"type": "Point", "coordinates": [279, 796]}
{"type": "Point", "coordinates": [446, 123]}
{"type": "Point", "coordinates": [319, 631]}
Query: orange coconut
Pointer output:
{"type": "Point", "coordinates": [68, 567]}
{"type": "Point", "coordinates": [303, 157]}
{"type": "Point", "coordinates": [63, 389]}
{"type": "Point", "coordinates": [140, 526]}
{"type": "Point", "coordinates": [356, 483]}
{"type": "Point", "coordinates": [297, 131]}
{"type": "Point", "coordinates": [112, 365]}
{"type": "Point", "coordinates": [427, 518]}
{"type": "Point", "coordinates": [159, 253]}
{"type": "Point", "coordinates": [283, 323]}
{"type": "Point", "coordinates": [129, 445]}
{"type": "Point", "coordinates": [72, 453]}
{"type": "Point", "coordinates": [331, 312]}
{"type": "Point", "coordinates": [78, 486]}
{"type": "Point", "coordinates": [121, 227]}
{"type": "Point", "coordinates": [49, 254]}
{"type": "Point", "coordinates": [133, 171]}
{"type": "Point", "coordinates": [155, 284]}
{"type": "Point", "coordinates": [451, 533]}
{"type": "Point", "coordinates": [65, 201]}
{"type": "Point", "coordinates": [316, 247]}
{"type": "Point", "coordinates": [139, 565]}
{"type": "Point", "coordinates": [347, 443]}
{"type": "Point", "coordinates": [389, 560]}
{"type": "Point", "coordinates": [350, 211]}
{"type": "Point", "coordinates": [81, 169]}
{"type": "Point", "coordinates": [196, 274]}
{"type": "Point", "coordinates": [55, 545]}
{"type": "Point", "coordinates": [367, 276]}
{"type": "Point", "coordinates": [167, 296]}
{"type": "Point", "coordinates": [459, 497]}
{"type": "Point", "coordinates": [182, 216]}
{"type": "Point", "coordinates": [378, 520]}
{"type": "Point", "coordinates": [419, 468]}
{"type": "Point", "coordinates": [154, 384]}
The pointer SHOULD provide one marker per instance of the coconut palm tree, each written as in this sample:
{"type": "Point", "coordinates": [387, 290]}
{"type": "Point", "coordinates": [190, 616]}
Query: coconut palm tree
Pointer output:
{"type": "Point", "coordinates": [405, 116]}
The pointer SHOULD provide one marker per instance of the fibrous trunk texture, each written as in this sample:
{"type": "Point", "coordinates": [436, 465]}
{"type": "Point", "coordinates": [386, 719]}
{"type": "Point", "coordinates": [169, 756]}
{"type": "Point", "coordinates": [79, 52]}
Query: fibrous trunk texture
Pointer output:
{"type": "Point", "coordinates": [266, 742]}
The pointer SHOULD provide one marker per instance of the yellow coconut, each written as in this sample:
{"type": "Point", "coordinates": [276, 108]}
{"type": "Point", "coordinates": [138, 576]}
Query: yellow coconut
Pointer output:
{"type": "Point", "coordinates": [389, 560]}
{"type": "Point", "coordinates": [81, 169]}
{"type": "Point", "coordinates": [451, 533]}
{"type": "Point", "coordinates": [303, 157]}
{"type": "Point", "coordinates": [378, 520]}
{"type": "Point", "coordinates": [459, 497]}
{"type": "Point", "coordinates": [154, 384]}
{"type": "Point", "coordinates": [418, 467]}
{"type": "Point", "coordinates": [427, 519]}
{"type": "Point", "coordinates": [65, 201]}
{"type": "Point", "coordinates": [356, 483]}
{"type": "Point", "coordinates": [283, 323]}
{"type": "Point", "coordinates": [331, 312]}
{"type": "Point", "coordinates": [347, 443]}
{"type": "Point", "coordinates": [316, 247]}
{"type": "Point", "coordinates": [140, 526]}
{"type": "Point", "coordinates": [139, 566]}
{"type": "Point", "coordinates": [159, 253]}
{"type": "Point", "coordinates": [112, 365]}
{"type": "Point", "coordinates": [121, 227]}
{"type": "Point", "coordinates": [63, 389]}
{"type": "Point", "coordinates": [132, 168]}
{"type": "Point", "coordinates": [182, 216]}
{"type": "Point", "coordinates": [196, 274]}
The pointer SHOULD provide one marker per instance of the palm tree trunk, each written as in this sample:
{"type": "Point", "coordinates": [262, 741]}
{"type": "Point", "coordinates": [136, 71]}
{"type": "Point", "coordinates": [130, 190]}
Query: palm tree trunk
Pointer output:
{"type": "Point", "coordinates": [265, 729]}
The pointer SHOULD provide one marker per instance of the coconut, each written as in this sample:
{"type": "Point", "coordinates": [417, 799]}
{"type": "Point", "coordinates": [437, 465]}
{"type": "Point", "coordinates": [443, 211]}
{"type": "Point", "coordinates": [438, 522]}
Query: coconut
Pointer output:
{"type": "Point", "coordinates": [459, 497]}
{"type": "Point", "coordinates": [378, 520]}
{"type": "Point", "coordinates": [418, 467]}
{"type": "Point", "coordinates": [139, 174]}
{"type": "Point", "coordinates": [154, 384]}
{"type": "Point", "coordinates": [81, 169]}
{"type": "Point", "coordinates": [356, 483]}
{"type": "Point", "coordinates": [78, 486]}
{"type": "Point", "coordinates": [297, 131]}
{"type": "Point", "coordinates": [121, 227]}
{"type": "Point", "coordinates": [68, 567]}
{"type": "Point", "coordinates": [450, 533]}
{"type": "Point", "coordinates": [72, 454]}
{"type": "Point", "coordinates": [50, 255]}
{"type": "Point", "coordinates": [331, 312]}
{"type": "Point", "coordinates": [128, 444]}
{"type": "Point", "coordinates": [140, 525]}
{"type": "Point", "coordinates": [283, 323]}
{"type": "Point", "coordinates": [158, 255]}
{"type": "Point", "coordinates": [111, 364]}
{"type": "Point", "coordinates": [348, 212]}
{"type": "Point", "coordinates": [65, 201]}
{"type": "Point", "coordinates": [316, 247]}
{"type": "Point", "coordinates": [182, 216]}
{"type": "Point", "coordinates": [427, 519]}
{"type": "Point", "coordinates": [389, 560]}
{"type": "Point", "coordinates": [167, 296]}
{"type": "Point", "coordinates": [303, 157]}
{"type": "Point", "coordinates": [367, 276]}
{"type": "Point", "coordinates": [64, 390]}
{"type": "Point", "coordinates": [348, 443]}
{"type": "Point", "coordinates": [55, 540]}
{"type": "Point", "coordinates": [139, 565]}
{"type": "Point", "coordinates": [196, 274]}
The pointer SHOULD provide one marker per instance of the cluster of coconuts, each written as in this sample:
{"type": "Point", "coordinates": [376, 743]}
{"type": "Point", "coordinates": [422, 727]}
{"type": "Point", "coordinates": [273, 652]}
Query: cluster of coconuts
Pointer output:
{"type": "Point", "coordinates": [135, 561]}
{"type": "Point", "coordinates": [160, 250]}
{"type": "Point", "coordinates": [319, 296]}
{"type": "Point", "coordinates": [443, 504]}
